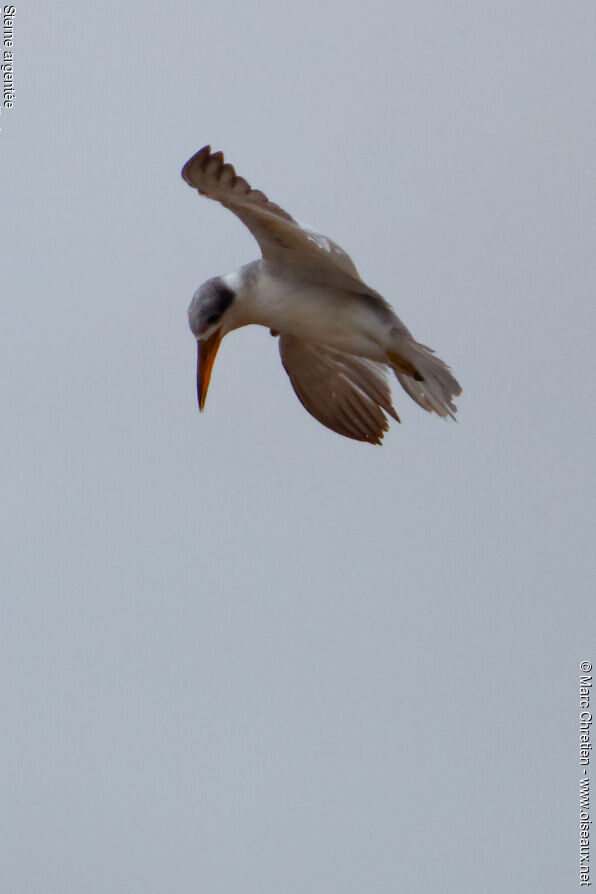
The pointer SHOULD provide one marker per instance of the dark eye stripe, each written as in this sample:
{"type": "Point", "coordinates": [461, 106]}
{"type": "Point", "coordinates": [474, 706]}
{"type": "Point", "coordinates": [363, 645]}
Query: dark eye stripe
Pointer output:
{"type": "Point", "coordinates": [225, 298]}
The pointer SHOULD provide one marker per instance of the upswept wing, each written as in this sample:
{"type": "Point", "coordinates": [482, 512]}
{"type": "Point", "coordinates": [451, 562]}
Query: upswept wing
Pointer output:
{"type": "Point", "coordinates": [283, 242]}
{"type": "Point", "coordinates": [348, 394]}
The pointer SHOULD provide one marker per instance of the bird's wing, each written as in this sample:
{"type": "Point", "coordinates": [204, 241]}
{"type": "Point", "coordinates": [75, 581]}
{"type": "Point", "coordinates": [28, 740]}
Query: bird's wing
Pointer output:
{"type": "Point", "coordinates": [348, 394]}
{"type": "Point", "coordinates": [283, 241]}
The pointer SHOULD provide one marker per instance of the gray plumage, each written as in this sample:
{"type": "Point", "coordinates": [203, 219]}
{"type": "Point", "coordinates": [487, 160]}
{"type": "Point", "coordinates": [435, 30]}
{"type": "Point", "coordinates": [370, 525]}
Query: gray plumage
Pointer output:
{"type": "Point", "coordinates": [337, 335]}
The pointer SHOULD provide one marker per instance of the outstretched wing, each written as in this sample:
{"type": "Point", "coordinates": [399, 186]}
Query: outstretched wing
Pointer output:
{"type": "Point", "coordinates": [282, 240]}
{"type": "Point", "coordinates": [348, 394]}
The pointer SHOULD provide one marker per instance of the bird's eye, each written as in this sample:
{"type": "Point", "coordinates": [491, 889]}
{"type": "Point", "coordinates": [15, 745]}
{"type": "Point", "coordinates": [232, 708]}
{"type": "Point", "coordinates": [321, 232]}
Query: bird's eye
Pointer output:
{"type": "Point", "coordinates": [212, 318]}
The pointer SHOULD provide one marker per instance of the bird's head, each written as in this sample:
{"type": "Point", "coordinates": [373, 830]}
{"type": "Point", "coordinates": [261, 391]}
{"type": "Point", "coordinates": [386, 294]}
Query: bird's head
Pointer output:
{"type": "Point", "coordinates": [206, 317]}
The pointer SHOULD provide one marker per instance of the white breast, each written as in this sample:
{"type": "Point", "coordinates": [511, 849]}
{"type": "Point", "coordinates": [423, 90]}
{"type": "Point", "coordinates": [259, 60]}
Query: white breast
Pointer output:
{"type": "Point", "coordinates": [340, 320]}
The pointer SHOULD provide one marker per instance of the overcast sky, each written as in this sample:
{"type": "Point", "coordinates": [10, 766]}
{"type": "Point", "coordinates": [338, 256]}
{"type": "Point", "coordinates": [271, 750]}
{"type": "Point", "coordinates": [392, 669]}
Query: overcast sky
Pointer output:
{"type": "Point", "coordinates": [240, 652]}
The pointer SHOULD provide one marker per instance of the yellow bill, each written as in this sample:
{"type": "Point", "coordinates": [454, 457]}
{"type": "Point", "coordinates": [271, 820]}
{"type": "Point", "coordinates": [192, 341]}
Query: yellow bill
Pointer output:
{"type": "Point", "coordinates": [207, 352]}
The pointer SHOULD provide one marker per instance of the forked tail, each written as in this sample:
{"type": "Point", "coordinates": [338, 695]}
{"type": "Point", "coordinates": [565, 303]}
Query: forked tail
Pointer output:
{"type": "Point", "coordinates": [425, 377]}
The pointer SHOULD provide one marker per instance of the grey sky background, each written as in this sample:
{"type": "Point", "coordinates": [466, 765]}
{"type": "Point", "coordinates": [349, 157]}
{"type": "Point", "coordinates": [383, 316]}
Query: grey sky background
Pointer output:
{"type": "Point", "coordinates": [241, 653]}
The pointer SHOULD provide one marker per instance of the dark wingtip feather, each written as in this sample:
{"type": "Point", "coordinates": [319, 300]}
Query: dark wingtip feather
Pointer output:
{"type": "Point", "coordinates": [198, 158]}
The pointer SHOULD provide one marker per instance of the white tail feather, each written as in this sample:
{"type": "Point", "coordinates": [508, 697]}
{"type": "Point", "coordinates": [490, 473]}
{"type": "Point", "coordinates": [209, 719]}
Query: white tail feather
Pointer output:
{"type": "Point", "coordinates": [438, 387]}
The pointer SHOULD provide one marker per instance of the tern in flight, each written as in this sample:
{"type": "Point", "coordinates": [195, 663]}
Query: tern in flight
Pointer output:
{"type": "Point", "coordinates": [337, 336]}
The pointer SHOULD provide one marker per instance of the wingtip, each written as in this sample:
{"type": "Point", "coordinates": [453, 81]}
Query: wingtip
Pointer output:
{"type": "Point", "coordinates": [199, 156]}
